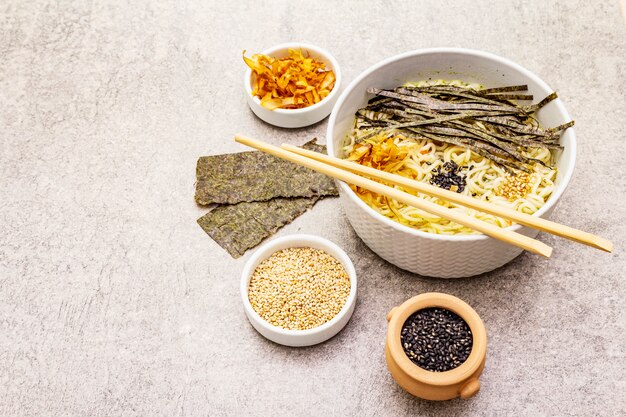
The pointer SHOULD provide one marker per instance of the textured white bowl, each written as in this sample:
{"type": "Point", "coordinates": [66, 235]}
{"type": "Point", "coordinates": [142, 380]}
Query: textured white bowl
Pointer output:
{"type": "Point", "coordinates": [293, 118]}
{"type": "Point", "coordinates": [299, 337]}
{"type": "Point", "coordinates": [426, 253]}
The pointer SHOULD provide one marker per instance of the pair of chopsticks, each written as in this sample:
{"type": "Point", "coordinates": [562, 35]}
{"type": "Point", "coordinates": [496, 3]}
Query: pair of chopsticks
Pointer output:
{"type": "Point", "coordinates": [347, 171]}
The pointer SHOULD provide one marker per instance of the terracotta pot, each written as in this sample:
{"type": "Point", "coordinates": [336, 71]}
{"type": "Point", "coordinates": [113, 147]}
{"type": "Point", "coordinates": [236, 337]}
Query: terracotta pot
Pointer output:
{"type": "Point", "coordinates": [458, 382]}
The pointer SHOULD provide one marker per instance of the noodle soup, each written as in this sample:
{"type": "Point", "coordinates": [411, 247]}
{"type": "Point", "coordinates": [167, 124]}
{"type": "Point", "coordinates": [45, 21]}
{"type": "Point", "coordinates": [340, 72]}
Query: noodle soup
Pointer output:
{"type": "Point", "coordinates": [489, 155]}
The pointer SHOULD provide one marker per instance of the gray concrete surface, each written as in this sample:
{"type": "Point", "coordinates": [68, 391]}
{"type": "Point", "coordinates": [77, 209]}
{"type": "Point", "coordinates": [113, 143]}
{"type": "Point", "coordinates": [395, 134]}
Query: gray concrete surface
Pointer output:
{"type": "Point", "coordinates": [114, 302]}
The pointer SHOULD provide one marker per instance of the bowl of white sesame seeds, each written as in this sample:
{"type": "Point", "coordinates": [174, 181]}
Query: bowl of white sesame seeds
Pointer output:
{"type": "Point", "coordinates": [299, 290]}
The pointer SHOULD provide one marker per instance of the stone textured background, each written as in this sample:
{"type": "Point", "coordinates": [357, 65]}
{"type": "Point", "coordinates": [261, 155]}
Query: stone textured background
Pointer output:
{"type": "Point", "coordinates": [114, 302]}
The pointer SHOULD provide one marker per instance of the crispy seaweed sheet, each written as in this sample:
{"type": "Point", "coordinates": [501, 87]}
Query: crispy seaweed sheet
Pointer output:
{"type": "Point", "coordinates": [256, 176]}
{"type": "Point", "coordinates": [258, 194]}
{"type": "Point", "coordinates": [239, 227]}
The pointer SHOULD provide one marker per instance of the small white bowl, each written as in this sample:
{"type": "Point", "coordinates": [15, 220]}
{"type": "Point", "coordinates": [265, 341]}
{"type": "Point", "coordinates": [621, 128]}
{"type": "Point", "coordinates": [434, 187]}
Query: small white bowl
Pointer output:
{"type": "Point", "coordinates": [299, 337]}
{"type": "Point", "coordinates": [293, 118]}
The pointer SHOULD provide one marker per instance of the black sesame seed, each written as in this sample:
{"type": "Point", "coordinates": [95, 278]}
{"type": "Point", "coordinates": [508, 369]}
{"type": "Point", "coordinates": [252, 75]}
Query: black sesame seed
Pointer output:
{"type": "Point", "coordinates": [449, 176]}
{"type": "Point", "coordinates": [436, 339]}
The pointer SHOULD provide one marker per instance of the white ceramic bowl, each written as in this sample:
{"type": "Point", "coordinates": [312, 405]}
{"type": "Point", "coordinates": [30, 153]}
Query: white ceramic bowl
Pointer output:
{"type": "Point", "coordinates": [299, 337]}
{"type": "Point", "coordinates": [425, 253]}
{"type": "Point", "coordinates": [295, 117]}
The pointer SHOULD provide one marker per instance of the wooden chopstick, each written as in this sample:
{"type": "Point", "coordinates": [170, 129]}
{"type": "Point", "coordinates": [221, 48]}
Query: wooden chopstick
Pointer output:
{"type": "Point", "coordinates": [484, 206]}
{"type": "Point", "coordinates": [504, 235]}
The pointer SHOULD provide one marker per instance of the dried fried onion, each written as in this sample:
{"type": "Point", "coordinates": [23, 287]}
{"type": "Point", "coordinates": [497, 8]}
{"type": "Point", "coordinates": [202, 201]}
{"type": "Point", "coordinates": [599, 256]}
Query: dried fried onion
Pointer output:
{"type": "Point", "coordinates": [293, 82]}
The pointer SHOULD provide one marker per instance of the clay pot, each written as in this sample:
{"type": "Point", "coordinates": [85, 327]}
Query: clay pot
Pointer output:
{"type": "Point", "coordinates": [458, 382]}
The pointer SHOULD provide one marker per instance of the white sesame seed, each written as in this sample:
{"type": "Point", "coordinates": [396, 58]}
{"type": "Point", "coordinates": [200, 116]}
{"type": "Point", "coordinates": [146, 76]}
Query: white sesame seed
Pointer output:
{"type": "Point", "coordinates": [299, 288]}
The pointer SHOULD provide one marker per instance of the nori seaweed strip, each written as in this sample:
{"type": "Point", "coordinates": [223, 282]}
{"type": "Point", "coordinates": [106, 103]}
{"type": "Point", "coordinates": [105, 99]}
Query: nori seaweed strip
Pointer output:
{"type": "Point", "coordinates": [439, 104]}
{"type": "Point", "coordinates": [531, 141]}
{"type": "Point", "coordinates": [535, 144]}
{"type": "Point", "coordinates": [482, 95]}
{"type": "Point", "coordinates": [412, 134]}
{"type": "Point", "coordinates": [473, 96]}
{"type": "Point", "coordinates": [401, 113]}
{"type": "Point", "coordinates": [482, 149]}
{"type": "Point", "coordinates": [495, 133]}
{"type": "Point", "coordinates": [434, 120]}
{"type": "Point", "coordinates": [504, 145]}
{"type": "Point", "coordinates": [449, 105]}
{"type": "Point", "coordinates": [485, 107]}
{"type": "Point", "coordinates": [415, 108]}
{"type": "Point", "coordinates": [374, 113]}
{"type": "Point", "coordinates": [366, 129]}
{"type": "Point", "coordinates": [519, 140]}
{"type": "Point", "coordinates": [368, 135]}
{"type": "Point", "coordinates": [469, 93]}
{"type": "Point", "coordinates": [517, 125]}
{"type": "Point", "coordinates": [409, 120]}
{"type": "Point", "coordinates": [561, 127]}
{"type": "Point", "coordinates": [501, 142]}
{"type": "Point", "coordinates": [382, 125]}
{"type": "Point", "coordinates": [450, 131]}
{"type": "Point", "coordinates": [464, 94]}
{"type": "Point", "coordinates": [512, 96]}
{"type": "Point", "coordinates": [367, 126]}
{"type": "Point", "coordinates": [377, 99]}
{"type": "Point", "coordinates": [389, 127]}
{"type": "Point", "coordinates": [495, 100]}
{"type": "Point", "coordinates": [421, 122]}
{"type": "Point", "coordinates": [523, 87]}
{"type": "Point", "coordinates": [423, 99]}
{"type": "Point", "coordinates": [378, 122]}
{"type": "Point", "coordinates": [436, 89]}
{"type": "Point", "coordinates": [462, 137]}
{"type": "Point", "coordinates": [534, 107]}
{"type": "Point", "coordinates": [425, 111]}
{"type": "Point", "coordinates": [370, 123]}
{"type": "Point", "coordinates": [491, 138]}
{"type": "Point", "coordinates": [544, 136]}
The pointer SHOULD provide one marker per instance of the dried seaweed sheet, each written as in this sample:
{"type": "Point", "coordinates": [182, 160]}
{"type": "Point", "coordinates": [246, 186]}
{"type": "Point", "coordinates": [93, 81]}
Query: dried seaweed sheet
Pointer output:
{"type": "Point", "coordinates": [256, 176]}
{"type": "Point", "coordinates": [239, 227]}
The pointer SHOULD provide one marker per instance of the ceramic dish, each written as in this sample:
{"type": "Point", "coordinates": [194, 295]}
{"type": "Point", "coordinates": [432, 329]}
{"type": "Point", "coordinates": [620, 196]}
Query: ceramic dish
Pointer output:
{"type": "Point", "coordinates": [444, 256]}
{"type": "Point", "coordinates": [459, 382]}
{"type": "Point", "coordinates": [299, 337]}
{"type": "Point", "coordinates": [292, 118]}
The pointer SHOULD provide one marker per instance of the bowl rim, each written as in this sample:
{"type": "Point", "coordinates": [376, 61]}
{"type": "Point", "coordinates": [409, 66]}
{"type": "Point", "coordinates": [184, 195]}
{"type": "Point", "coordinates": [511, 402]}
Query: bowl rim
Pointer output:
{"type": "Point", "coordinates": [556, 193]}
{"type": "Point", "coordinates": [298, 241]}
{"type": "Point", "coordinates": [247, 79]}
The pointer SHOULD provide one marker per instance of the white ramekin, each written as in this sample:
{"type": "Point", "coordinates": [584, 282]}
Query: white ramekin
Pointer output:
{"type": "Point", "coordinates": [299, 337]}
{"type": "Point", "coordinates": [293, 118]}
{"type": "Point", "coordinates": [424, 253]}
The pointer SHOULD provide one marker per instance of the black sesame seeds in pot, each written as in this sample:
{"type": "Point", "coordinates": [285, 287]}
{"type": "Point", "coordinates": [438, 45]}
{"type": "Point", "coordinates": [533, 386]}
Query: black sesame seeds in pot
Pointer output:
{"type": "Point", "coordinates": [436, 339]}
